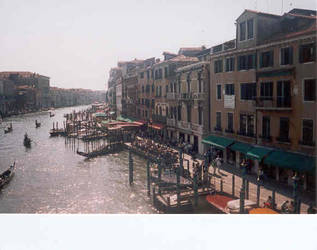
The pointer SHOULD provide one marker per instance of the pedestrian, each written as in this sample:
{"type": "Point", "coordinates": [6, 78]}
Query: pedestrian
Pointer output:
{"type": "Point", "coordinates": [311, 209]}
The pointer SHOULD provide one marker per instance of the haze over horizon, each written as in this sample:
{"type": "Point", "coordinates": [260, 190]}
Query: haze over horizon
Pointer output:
{"type": "Point", "coordinates": [76, 43]}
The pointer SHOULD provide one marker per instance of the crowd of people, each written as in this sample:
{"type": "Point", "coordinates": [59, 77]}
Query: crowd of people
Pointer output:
{"type": "Point", "coordinates": [155, 150]}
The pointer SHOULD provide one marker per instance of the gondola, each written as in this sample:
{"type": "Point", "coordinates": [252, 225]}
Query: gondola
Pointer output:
{"type": "Point", "coordinates": [8, 129]}
{"type": "Point", "coordinates": [37, 124]}
{"type": "Point", "coordinates": [6, 176]}
{"type": "Point", "coordinates": [27, 141]}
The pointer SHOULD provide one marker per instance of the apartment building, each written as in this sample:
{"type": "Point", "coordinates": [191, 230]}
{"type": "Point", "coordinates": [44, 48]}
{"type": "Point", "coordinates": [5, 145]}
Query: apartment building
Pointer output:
{"type": "Point", "coordinates": [145, 90]}
{"type": "Point", "coordinates": [263, 95]}
{"type": "Point", "coordinates": [165, 86]}
{"type": "Point", "coordinates": [188, 120]}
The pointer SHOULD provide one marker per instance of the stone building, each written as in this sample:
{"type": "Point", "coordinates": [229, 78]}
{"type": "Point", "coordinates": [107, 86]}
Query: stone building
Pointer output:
{"type": "Point", "coordinates": [263, 95]}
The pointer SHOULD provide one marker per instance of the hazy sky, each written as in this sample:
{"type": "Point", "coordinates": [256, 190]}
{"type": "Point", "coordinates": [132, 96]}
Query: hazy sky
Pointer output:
{"type": "Point", "coordinates": [160, 232]}
{"type": "Point", "coordinates": [76, 42]}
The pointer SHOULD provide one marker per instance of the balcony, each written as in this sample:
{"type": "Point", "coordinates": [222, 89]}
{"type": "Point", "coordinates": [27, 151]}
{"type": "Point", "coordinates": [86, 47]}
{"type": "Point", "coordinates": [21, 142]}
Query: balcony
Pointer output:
{"type": "Point", "coordinates": [247, 134]}
{"type": "Point", "coordinates": [184, 125]}
{"type": "Point", "coordinates": [171, 122]}
{"type": "Point", "coordinates": [192, 96]}
{"type": "Point", "coordinates": [283, 139]}
{"type": "Point", "coordinates": [172, 96]}
{"type": "Point", "coordinates": [307, 143]}
{"type": "Point", "coordinates": [282, 103]}
{"type": "Point", "coordinates": [197, 128]}
{"type": "Point", "coordinates": [159, 118]}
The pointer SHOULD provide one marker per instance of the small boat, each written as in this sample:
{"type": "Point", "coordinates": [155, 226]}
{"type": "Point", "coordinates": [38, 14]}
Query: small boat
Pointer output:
{"type": "Point", "coordinates": [37, 124]}
{"type": "Point", "coordinates": [27, 141]}
{"type": "Point", "coordinates": [6, 176]}
{"type": "Point", "coordinates": [8, 129]}
{"type": "Point", "coordinates": [233, 207]}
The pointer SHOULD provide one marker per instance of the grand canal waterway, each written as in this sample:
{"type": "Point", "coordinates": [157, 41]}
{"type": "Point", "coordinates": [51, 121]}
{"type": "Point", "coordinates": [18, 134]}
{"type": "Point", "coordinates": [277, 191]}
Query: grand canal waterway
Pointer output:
{"type": "Point", "coordinates": [51, 178]}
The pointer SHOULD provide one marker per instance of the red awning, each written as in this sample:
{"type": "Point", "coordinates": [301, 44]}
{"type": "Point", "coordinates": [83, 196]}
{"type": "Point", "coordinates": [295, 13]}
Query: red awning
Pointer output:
{"type": "Point", "coordinates": [141, 122]}
{"type": "Point", "coordinates": [156, 126]}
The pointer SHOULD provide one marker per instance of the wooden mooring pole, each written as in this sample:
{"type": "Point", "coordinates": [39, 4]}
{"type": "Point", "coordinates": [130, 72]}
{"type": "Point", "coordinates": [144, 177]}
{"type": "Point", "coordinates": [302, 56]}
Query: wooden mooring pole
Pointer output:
{"type": "Point", "coordinates": [130, 168]}
{"type": "Point", "coordinates": [148, 178]}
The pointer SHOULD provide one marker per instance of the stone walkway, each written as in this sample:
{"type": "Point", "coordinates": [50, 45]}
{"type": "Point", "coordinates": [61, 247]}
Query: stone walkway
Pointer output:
{"type": "Point", "coordinates": [282, 192]}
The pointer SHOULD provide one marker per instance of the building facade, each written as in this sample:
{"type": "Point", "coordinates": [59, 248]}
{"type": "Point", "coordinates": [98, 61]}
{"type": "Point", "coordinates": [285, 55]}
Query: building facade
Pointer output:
{"type": "Point", "coordinates": [263, 95]}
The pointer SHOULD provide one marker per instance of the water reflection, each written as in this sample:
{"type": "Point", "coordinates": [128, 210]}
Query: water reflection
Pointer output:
{"type": "Point", "coordinates": [51, 178]}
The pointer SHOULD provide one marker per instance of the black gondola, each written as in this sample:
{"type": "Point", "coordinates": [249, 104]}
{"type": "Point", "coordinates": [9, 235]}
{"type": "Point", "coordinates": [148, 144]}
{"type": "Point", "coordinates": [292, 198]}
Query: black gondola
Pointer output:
{"type": "Point", "coordinates": [27, 141]}
{"type": "Point", "coordinates": [37, 124]}
{"type": "Point", "coordinates": [6, 176]}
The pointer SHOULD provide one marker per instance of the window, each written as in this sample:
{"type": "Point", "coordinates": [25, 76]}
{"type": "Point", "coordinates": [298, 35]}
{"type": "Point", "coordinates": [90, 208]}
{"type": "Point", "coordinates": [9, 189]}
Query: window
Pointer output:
{"type": "Point", "coordinates": [179, 113]}
{"type": "Point", "coordinates": [160, 74]}
{"type": "Point", "coordinates": [166, 89]}
{"type": "Point", "coordinates": [266, 90]}
{"type": "Point", "coordinates": [142, 75]}
{"type": "Point", "coordinates": [229, 64]}
{"type": "Point", "coordinates": [142, 101]}
{"type": "Point", "coordinates": [248, 91]}
{"type": "Point", "coordinates": [188, 83]}
{"type": "Point", "coordinates": [242, 63]}
{"type": "Point", "coordinates": [229, 89]}
{"type": "Point", "coordinates": [145, 113]}
{"type": "Point", "coordinates": [218, 66]}
{"type": "Point", "coordinates": [247, 125]}
{"type": "Point", "coordinates": [246, 62]}
{"type": "Point", "coordinates": [153, 103]}
{"type": "Point", "coordinates": [142, 89]}
{"type": "Point", "coordinates": [200, 115]}
{"type": "Point", "coordinates": [218, 92]}
{"type": "Point", "coordinates": [218, 121]}
{"type": "Point", "coordinates": [242, 31]}
{"type": "Point", "coordinates": [199, 82]}
{"type": "Point", "coordinates": [230, 122]}
{"type": "Point", "coordinates": [189, 113]}
{"type": "Point", "coordinates": [152, 88]}
{"type": "Point", "coordinates": [286, 56]}
{"type": "Point", "coordinates": [160, 108]}
{"type": "Point", "coordinates": [266, 59]}
{"type": "Point", "coordinates": [148, 74]}
{"type": "Point", "coordinates": [307, 53]}
{"type": "Point", "coordinates": [251, 62]}
{"type": "Point", "coordinates": [310, 90]}
{"type": "Point", "coordinates": [250, 28]}
{"type": "Point", "coordinates": [165, 72]}
{"type": "Point", "coordinates": [284, 129]}
{"type": "Point", "coordinates": [283, 93]}
{"type": "Point", "coordinates": [308, 132]}
{"type": "Point", "coordinates": [266, 127]}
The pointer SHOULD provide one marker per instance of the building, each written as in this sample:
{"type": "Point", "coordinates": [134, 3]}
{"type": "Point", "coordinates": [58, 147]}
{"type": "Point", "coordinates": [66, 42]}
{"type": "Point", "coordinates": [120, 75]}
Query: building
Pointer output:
{"type": "Point", "coordinates": [263, 95]}
{"type": "Point", "coordinates": [189, 116]}
{"type": "Point", "coordinates": [32, 89]}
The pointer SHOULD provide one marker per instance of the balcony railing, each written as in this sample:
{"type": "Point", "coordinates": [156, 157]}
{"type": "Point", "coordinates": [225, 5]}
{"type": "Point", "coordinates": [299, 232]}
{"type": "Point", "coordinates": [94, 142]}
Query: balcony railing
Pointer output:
{"type": "Point", "coordinates": [172, 95]}
{"type": "Point", "coordinates": [244, 133]}
{"type": "Point", "coordinates": [159, 118]}
{"type": "Point", "coordinates": [192, 96]}
{"type": "Point", "coordinates": [171, 122]}
{"type": "Point", "coordinates": [307, 143]}
{"type": "Point", "coordinates": [276, 103]}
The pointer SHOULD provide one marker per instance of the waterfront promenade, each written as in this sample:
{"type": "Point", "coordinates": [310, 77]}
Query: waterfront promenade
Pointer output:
{"type": "Point", "coordinates": [282, 192]}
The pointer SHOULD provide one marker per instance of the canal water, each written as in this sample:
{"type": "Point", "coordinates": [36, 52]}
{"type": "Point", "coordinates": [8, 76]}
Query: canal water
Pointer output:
{"type": "Point", "coordinates": [51, 178]}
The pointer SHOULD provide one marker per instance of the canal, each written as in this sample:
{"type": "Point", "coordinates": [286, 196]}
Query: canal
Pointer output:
{"type": "Point", "coordinates": [51, 178]}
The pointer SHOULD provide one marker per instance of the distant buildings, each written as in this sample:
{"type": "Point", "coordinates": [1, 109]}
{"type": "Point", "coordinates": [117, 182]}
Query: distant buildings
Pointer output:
{"type": "Point", "coordinates": [253, 97]}
{"type": "Point", "coordinates": [27, 91]}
